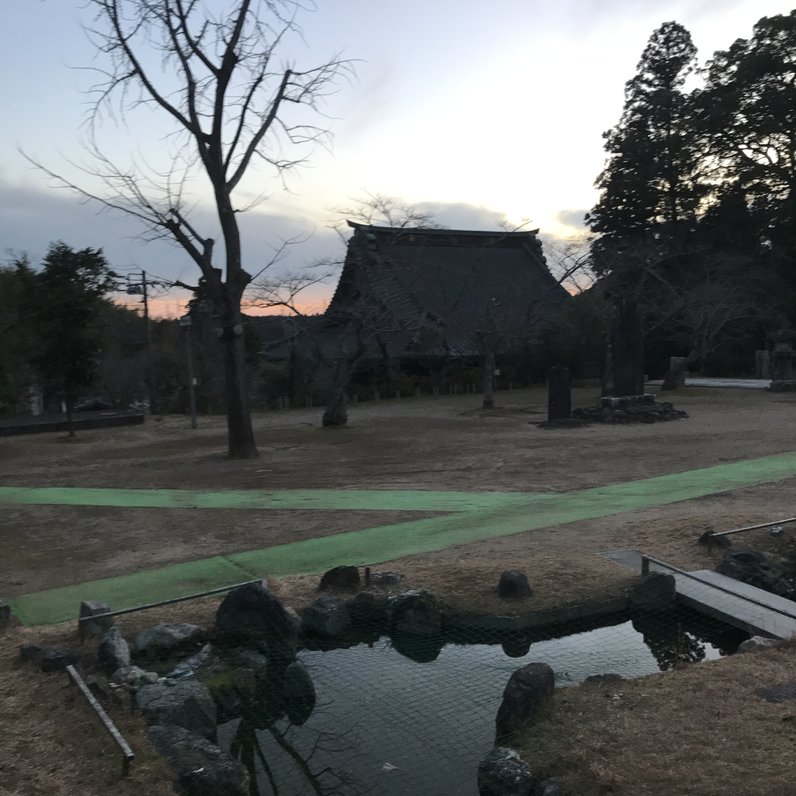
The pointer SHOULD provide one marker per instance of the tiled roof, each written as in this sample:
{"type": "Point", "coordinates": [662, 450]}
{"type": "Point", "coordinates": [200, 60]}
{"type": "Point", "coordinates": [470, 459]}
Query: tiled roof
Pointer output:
{"type": "Point", "coordinates": [440, 291]}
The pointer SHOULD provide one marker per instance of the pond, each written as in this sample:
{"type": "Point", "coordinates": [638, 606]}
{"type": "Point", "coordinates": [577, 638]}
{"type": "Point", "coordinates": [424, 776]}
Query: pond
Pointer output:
{"type": "Point", "coordinates": [405, 716]}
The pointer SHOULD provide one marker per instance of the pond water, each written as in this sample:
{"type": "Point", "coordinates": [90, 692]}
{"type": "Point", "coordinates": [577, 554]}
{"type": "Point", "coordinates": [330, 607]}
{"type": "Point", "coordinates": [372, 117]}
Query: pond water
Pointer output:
{"type": "Point", "coordinates": [394, 717]}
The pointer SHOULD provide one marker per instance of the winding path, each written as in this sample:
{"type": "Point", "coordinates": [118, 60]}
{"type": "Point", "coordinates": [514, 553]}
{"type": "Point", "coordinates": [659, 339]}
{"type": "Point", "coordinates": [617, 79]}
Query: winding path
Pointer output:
{"type": "Point", "coordinates": [469, 517]}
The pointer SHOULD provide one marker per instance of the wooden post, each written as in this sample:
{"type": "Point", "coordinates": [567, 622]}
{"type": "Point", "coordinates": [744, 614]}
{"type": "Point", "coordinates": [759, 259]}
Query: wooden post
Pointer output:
{"type": "Point", "coordinates": [559, 393]}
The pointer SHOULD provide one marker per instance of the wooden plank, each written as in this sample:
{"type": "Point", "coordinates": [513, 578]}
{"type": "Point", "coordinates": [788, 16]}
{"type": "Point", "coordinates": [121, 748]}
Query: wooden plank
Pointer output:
{"type": "Point", "coordinates": [127, 753]}
{"type": "Point", "coordinates": [761, 596]}
{"type": "Point", "coordinates": [733, 609]}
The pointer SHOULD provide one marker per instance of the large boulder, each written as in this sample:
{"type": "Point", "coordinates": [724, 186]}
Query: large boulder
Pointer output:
{"type": "Point", "coordinates": [415, 612]}
{"type": "Point", "coordinates": [164, 641]}
{"type": "Point", "coordinates": [503, 773]}
{"type": "Point", "coordinates": [327, 617]}
{"type": "Point", "coordinates": [202, 769]}
{"type": "Point", "coordinates": [513, 585]}
{"type": "Point", "coordinates": [368, 613]}
{"type": "Point", "coordinates": [113, 652]}
{"type": "Point", "coordinates": [340, 579]}
{"type": "Point", "coordinates": [184, 703]}
{"type": "Point", "coordinates": [299, 693]}
{"type": "Point", "coordinates": [656, 591]}
{"type": "Point", "coordinates": [526, 691]}
{"type": "Point", "coordinates": [250, 616]}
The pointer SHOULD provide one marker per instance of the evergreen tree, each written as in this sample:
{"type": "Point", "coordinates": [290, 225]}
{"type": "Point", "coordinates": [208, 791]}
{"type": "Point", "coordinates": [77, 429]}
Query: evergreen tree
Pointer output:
{"type": "Point", "coordinates": [747, 113]}
{"type": "Point", "coordinates": [70, 294]}
{"type": "Point", "coordinates": [649, 187]}
{"type": "Point", "coordinates": [17, 334]}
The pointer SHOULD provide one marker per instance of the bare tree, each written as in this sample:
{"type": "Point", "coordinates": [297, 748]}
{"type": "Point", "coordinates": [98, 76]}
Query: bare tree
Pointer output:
{"type": "Point", "coordinates": [213, 75]}
{"type": "Point", "coordinates": [697, 299]}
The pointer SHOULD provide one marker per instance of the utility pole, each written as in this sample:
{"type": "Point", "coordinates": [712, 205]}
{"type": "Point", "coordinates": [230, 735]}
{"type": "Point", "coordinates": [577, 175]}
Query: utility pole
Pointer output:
{"type": "Point", "coordinates": [138, 285]}
{"type": "Point", "coordinates": [185, 323]}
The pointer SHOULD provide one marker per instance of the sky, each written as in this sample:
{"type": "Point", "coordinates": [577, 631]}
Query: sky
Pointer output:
{"type": "Point", "coordinates": [481, 113]}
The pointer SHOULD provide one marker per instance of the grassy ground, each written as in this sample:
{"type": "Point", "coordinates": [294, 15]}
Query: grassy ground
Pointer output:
{"type": "Point", "coordinates": [48, 744]}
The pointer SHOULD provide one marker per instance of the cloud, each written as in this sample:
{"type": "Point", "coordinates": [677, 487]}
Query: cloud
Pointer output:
{"type": "Point", "coordinates": [572, 218]}
{"type": "Point", "coordinates": [460, 215]}
{"type": "Point", "coordinates": [31, 219]}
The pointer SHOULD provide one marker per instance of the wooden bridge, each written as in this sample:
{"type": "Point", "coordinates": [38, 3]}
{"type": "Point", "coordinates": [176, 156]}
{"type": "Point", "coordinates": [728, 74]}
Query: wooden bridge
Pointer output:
{"type": "Point", "coordinates": [754, 610]}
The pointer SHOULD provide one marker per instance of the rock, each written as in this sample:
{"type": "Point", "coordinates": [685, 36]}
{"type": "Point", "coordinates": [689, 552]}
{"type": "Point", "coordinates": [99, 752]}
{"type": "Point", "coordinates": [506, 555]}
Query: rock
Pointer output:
{"type": "Point", "coordinates": [294, 618]}
{"type": "Point", "coordinates": [190, 666]}
{"type": "Point", "coordinates": [549, 787]}
{"type": "Point", "coordinates": [202, 768]}
{"type": "Point", "coordinates": [420, 648]}
{"type": "Point", "coordinates": [503, 773]}
{"type": "Point", "coordinates": [233, 689]}
{"type": "Point", "coordinates": [415, 612]}
{"type": "Point", "coordinates": [387, 578]}
{"type": "Point", "coordinates": [48, 659]}
{"type": "Point", "coordinates": [184, 703]}
{"type": "Point", "coordinates": [327, 617]}
{"type": "Point", "coordinates": [94, 628]}
{"type": "Point", "coordinates": [164, 641]}
{"type": "Point", "coordinates": [251, 659]}
{"type": "Point", "coordinates": [133, 676]}
{"type": "Point", "coordinates": [250, 616]}
{"type": "Point", "coordinates": [30, 652]}
{"type": "Point", "coordinates": [113, 652]}
{"type": "Point", "coordinates": [782, 692]}
{"type": "Point", "coordinates": [299, 692]}
{"type": "Point", "coordinates": [340, 579]}
{"type": "Point", "coordinates": [516, 647]}
{"type": "Point", "coordinates": [514, 585]}
{"type": "Point", "coordinates": [368, 612]}
{"type": "Point", "coordinates": [527, 689]}
{"type": "Point", "coordinates": [761, 570]}
{"type": "Point", "coordinates": [758, 643]}
{"type": "Point", "coordinates": [5, 615]}
{"type": "Point", "coordinates": [622, 410]}
{"type": "Point", "coordinates": [56, 659]}
{"type": "Point", "coordinates": [655, 591]}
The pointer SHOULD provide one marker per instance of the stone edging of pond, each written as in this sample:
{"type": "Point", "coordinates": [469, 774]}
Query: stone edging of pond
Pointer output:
{"type": "Point", "coordinates": [537, 619]}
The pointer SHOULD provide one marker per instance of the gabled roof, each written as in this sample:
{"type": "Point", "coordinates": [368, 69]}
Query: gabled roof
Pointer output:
{"type": "Point", "coordinates": [441, 290]}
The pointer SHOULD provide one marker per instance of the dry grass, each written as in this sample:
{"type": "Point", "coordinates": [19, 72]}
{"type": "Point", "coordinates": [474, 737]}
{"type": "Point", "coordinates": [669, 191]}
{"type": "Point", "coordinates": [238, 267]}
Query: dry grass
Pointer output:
{"type": "Point", "coordinates": [51, 742]}
{"type": "Point", "coordinates": [699, 730]}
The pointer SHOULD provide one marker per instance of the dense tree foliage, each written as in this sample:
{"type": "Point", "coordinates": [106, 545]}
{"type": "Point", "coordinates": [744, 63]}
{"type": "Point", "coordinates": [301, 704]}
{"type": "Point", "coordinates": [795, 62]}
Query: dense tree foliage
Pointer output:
{"type": "Point", "coordinates": [68, 298]}
{"type": "Point", "coordinates": [17, 334]}
{"type": "Point", "coordinates": [649, 187]}
{"type": "Point", "coordinates": [696, 218]}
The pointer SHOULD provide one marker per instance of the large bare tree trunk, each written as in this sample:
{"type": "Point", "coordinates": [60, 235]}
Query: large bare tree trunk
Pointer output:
{"type": "Point", "coordinates": [336, 412]}
{"type": "Point", "coordinates": [240, 436]}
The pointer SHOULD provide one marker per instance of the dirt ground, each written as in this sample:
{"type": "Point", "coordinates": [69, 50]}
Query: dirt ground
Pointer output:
{"type": "Point", "coordinates": [436, 444]}
{"type": "Point", "coordinates": [432, 444]}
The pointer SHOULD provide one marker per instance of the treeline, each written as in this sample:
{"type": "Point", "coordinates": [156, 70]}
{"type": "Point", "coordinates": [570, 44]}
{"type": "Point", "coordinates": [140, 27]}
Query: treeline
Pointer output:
{"type": "Point", "coordinates": [696, 220]}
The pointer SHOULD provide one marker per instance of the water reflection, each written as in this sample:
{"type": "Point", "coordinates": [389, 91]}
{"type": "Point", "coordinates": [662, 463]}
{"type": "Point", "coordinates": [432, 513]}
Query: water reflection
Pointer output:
{"type": "Point", "coordinates": [276, 742]}
{"type": "Point", "coordinates": [408, 714]}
